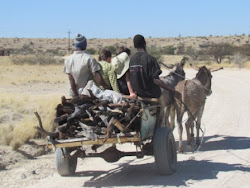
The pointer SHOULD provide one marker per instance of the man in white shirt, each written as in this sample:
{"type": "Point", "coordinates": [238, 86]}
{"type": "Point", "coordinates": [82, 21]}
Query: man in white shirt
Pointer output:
{"type": "Point", "coordinates": [80, 65]}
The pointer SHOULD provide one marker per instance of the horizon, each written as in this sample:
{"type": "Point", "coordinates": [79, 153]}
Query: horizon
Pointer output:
{"type": "Point", "coordinates": [72, 37]}
{"type": "Point", "coordinates": [118, 20]}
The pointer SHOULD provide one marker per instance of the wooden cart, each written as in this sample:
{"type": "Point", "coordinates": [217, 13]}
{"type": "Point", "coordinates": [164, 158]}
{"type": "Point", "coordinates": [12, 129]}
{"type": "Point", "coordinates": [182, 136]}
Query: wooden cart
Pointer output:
{"type": "Point", "coordinates": [152, 139]}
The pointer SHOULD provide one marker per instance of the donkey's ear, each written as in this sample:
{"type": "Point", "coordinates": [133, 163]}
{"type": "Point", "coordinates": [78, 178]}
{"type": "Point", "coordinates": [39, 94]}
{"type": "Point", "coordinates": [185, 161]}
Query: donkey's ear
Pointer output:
{"type": "Point", "coordinates": [183, 61]}
{"type": "Point", "coordinates": [194, 67]}
{"type": "Point", "coordinates": [215, 69]}
{"type": "Point", "coordinates": [169, 66]}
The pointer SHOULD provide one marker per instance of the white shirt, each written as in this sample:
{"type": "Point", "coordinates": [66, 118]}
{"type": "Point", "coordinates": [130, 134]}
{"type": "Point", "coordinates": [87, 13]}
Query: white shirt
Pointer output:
{"type": "Point", "coordinates": [80, 65]}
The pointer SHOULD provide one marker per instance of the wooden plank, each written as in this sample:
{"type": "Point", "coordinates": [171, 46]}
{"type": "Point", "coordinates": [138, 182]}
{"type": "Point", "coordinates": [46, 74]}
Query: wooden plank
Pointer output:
{"type": "Point", "coordinates": [100, 141]}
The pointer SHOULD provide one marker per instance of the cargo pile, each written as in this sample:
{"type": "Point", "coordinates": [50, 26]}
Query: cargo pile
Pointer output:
{"type": "Point", "coordinates": [89, 117]}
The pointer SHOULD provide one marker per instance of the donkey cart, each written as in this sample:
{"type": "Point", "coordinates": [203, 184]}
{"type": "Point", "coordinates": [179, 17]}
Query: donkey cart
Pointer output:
{"type": "Point", "coordinates": [142, 129]}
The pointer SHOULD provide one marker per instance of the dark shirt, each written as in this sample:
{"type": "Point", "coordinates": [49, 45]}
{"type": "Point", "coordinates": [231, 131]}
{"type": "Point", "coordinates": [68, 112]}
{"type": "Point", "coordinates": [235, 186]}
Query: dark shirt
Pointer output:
{"type": "Point", "coordinates": [122, 84]}
{"type": "Point", "coordinates": [143, 70]}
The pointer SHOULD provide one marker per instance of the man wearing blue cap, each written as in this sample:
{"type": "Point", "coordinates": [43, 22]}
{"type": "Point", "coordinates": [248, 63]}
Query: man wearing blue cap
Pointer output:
{"type": "Point", "coordinates": [80, 65]}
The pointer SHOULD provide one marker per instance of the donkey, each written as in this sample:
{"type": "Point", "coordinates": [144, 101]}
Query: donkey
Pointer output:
{"type": "Point", "coordinates": [167, 98]}
{"type": "Point", "coordinates": [193, 95]}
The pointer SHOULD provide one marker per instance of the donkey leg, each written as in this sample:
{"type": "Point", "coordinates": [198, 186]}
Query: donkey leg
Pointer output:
{"type": "Point", "coordinates": [198, 123]}
{"type": "Point", "coordinates": [188, 127]}
{"type": "Point", "coordinates": [162, 116]}
{"type": "Point", "coordinates": [197, 134]}
{"type": "Point", "coordinates": [192, 130]}
{"type": "Point", "coordinates": [172, 117]}
{"type": "Point", "coordinates": [180, 130]}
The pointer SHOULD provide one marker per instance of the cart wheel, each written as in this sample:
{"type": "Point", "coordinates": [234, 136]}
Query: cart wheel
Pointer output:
{"type": "Point", "coordinates": [165, 151]}
{"type": "Point", "coordinates": [65, 164]}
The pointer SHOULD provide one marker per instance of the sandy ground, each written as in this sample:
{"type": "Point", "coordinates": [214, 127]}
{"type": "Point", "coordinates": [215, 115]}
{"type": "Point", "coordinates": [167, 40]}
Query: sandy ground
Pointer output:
{"type": "Point", "coordinates": [222, 161]}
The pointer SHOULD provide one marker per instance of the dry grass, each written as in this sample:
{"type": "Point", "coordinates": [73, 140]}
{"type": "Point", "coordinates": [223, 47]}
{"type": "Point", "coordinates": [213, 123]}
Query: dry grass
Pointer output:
{"type": "Point", "coordinates": [12, 74]}
{"type": "Point", "coordinates": [17, 131]}
{"type": "Point", "coordinates": [17, 119]}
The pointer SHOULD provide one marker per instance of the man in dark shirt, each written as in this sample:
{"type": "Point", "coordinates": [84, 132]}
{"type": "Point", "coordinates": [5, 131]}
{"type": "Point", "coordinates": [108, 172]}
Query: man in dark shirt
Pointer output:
{"type": "Point", "coordinates": [145, 71]}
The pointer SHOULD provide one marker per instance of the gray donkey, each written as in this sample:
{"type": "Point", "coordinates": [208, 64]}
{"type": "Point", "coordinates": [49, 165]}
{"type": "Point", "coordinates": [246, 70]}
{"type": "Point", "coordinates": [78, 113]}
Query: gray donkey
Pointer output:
{"type": "Point", "coordinates": [193, 98]}
{"type": "Point", "coordinates": [167, 98]}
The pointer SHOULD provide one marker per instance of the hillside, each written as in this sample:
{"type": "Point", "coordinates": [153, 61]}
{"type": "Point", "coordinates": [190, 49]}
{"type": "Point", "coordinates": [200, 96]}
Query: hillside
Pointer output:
{"type": "Point", "coordinates": [43, 44]}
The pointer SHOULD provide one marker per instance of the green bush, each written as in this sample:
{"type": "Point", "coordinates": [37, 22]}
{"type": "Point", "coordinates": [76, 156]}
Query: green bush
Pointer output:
{"type": "Point", "coordinates": [168, 50]}
{"type": "Point", "coordinates": [91, 51]}
{"type": "Point", "coordinates": [191, 52]}
{"type": "Point", "coordinates": [180, 49]}
{"type": "Point", "coordinates": [155, 52]}
{"type": "Point", "coordinates": [220, 51]}
{"type": "Point", "coordinates": [112, 49]}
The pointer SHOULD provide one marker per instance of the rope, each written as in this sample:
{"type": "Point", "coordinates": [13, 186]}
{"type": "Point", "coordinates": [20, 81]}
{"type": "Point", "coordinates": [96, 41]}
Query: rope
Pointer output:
{"type": "Point", "coordinates": [181, 75]}
{"type": "Point", "coordinates": [193, 119]}
{"type": "Point", "coordinates": [203, 132]}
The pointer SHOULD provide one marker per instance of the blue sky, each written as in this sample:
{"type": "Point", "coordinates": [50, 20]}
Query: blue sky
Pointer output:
{"type": "Point", "coordinates": [123, 19]}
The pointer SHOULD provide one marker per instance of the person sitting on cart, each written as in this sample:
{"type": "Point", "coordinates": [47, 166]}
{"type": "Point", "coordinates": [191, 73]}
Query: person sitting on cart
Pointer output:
{"type": "Point", "coordinates": [145, 71]}
{"type": "Point", "coordinates": [121, 66]}
{"type": "Point", "coordinates": [107, 71]}
{"type": "Point", "coordinates": [80, 65]}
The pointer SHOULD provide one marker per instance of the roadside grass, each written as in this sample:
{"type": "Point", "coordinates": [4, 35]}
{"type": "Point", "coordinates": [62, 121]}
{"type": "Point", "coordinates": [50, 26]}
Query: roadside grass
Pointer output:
{"type": "Point", "coordinates": [21, 121]}
{"type": "Point", "coordinates": [247, 65]}
{"type": "Point", "coordinates": [17, 119]}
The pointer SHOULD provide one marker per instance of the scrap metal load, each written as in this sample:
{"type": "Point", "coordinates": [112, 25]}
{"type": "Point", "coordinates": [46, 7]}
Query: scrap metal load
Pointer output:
{"type": "Point", "coordinates": [89, 117]}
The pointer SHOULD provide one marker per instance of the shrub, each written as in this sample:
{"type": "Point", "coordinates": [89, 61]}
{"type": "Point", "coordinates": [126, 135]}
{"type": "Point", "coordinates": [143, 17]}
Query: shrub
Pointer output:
{"type": "Point", "coordinates": [36, 59]}
{"type": "Point", "coordinates": [6, 133]}
{"type": "Point", "coordinates": [26, 49]}
{"type": "Point", "coordinates": [112, 49]}
{"type": "Point", "coordinates": [191, 52]}
{"type": "Point", "coordinates": [168, 50]}
{"type": "Point", "coordinates": [155, 52]}
{"type": "Point", "coordinates": [239, 60]}
{"type": "Point", "coordinates": [91, 51]}
{"type": "Point", "coordinates": [52, 51]}
{"type": "Point", "coordinates": [180, 49]}
{"type": "Point", "coordinates": [219, 51]}
{"type": "Point", "coordinates": [244, 49]}
{"type": "Point", "coordinates": [203, 45]}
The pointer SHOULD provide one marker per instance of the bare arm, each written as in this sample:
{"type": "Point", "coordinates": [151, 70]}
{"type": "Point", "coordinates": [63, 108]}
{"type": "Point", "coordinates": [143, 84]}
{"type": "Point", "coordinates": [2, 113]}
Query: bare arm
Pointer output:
{"type": "Point", "coordinates": [73, 84]}
{"type": "Point", "coordinates": [130, 89]}
{"type": "Point", "coordinates": [113, 81]}
{"type": "Point", "coordinates": [98, 78]}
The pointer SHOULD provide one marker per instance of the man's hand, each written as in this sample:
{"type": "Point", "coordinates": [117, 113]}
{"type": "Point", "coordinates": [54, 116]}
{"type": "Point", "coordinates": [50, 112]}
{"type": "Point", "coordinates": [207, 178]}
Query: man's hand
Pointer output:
{"type": "Point", "coordinates": [132, 95]}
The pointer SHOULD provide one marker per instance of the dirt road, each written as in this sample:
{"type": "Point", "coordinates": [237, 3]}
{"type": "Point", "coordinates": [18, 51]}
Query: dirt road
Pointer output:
{"type": "Point", "coordinates": [222, 161]}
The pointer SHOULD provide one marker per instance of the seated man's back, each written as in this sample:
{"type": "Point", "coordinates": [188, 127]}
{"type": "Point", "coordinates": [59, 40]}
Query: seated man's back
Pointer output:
{"type": "Point", "coordinates": [143, 70]}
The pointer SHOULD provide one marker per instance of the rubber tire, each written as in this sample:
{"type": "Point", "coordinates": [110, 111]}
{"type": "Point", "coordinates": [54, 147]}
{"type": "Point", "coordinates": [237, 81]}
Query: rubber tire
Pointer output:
{"type": "Point", "coordinates": [165, 151]}
{"type": "Point", "coordinates": [66, 166]}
